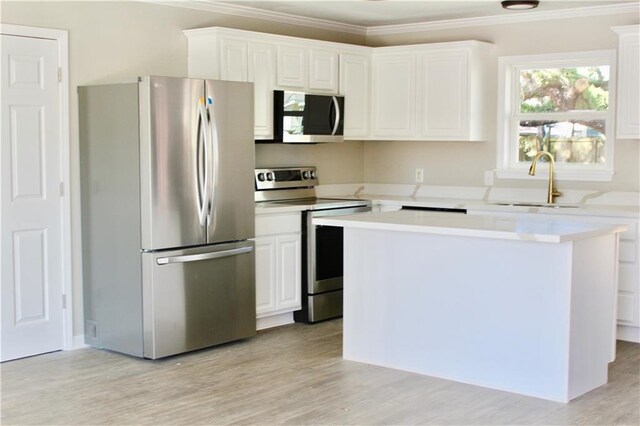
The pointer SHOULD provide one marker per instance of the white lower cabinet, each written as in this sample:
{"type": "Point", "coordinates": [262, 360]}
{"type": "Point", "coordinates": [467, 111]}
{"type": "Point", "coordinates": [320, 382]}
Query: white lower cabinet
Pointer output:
{"type": "Point", "coordinates": [278, 268]}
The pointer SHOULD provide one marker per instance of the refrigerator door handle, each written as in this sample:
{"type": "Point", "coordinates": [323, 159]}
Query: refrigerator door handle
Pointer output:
{"type": "Point", "coordinates": [206, 197]}
{"type": "Point", "coordinates": [337, 121]}
{"type": "Point", "coordinates": [215, 160]}
{"type": "Point", "coordinates": [203, 256]}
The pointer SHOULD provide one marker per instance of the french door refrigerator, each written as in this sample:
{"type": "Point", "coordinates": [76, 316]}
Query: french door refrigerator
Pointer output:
{"type": "Point", "coordinates": [167, 214]}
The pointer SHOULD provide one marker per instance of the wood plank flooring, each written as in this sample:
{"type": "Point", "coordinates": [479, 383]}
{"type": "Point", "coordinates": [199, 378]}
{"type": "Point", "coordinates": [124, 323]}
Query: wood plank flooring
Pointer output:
{"type": "Point", "coordinates": [290, 375]}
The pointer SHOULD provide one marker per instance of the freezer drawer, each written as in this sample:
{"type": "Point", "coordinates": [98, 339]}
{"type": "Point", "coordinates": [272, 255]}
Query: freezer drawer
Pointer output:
{"type": "Point", "coordinates": [196, 298]}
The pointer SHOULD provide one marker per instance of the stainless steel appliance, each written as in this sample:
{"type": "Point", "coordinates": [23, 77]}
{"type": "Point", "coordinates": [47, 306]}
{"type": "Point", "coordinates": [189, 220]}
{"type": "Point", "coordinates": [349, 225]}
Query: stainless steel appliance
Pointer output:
{"type": "Point", "coordinates": [322, 246]}
{"type": "Point", "coordinates": [307, 118]}
{"type": "Point", "coordinates": [167, 211]}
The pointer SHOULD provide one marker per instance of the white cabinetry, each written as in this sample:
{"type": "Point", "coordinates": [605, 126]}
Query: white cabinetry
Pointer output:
{"type": "Point", "coordinates": [292, 67]}
{"type": "Point", "coordinates": [308, 69]}
{"type": "Point", "coordinates": [229, 55]}
{"type": "Point", "coordinates": [394, 94]}
{"type": "Point", "coordinates": [417, 92]}
{"type": "Point", "coordinates": [262, 73]}
{"type": "Point", "coordinates": [628, 111]}
{"type": "Point", "coordinates": [355, 86]}
{"type": "Point", "coordinates": [430, 92]}
{"type": "Point", "coordinates": [278, 263]}
{"type": "Point", "coordinates": [628, 266]}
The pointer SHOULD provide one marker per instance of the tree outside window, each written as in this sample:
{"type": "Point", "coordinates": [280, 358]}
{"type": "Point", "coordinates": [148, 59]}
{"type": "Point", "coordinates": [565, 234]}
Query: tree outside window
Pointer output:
{"type": "Point", "coordinates": [560, 104]}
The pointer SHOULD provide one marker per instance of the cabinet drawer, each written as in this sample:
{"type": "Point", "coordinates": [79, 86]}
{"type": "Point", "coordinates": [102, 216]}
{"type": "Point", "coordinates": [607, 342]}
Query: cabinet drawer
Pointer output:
{"type": "Point", "coordinates": [626, 307]}
{"type": "Point", "coordinates": [271, 224]}
{"type": "Point", "coordinates": [628, 251]}
{"type": "Point", "coordinates": [628, 278]}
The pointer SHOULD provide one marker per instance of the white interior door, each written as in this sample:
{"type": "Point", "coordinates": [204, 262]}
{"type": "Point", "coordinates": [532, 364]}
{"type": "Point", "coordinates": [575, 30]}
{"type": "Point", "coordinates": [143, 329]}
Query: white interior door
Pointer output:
{"type": "Point", "coordinates": [31, 246]}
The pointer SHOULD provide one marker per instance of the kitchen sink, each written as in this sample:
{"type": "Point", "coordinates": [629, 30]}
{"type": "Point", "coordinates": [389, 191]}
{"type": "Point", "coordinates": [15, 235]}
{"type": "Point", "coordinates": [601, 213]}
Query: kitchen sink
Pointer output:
{"type": "Point", "coordinates": [546, 205]}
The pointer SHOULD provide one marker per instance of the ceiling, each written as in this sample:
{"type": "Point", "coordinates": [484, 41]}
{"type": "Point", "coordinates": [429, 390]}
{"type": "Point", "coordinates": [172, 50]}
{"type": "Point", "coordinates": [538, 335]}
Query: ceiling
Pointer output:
{"type": "Point", "coordinates": [373, 13]}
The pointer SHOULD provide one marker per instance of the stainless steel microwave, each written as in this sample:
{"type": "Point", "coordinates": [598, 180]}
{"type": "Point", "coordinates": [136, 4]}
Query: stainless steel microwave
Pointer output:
{"type": "Point", "coordinates": [307, 118]}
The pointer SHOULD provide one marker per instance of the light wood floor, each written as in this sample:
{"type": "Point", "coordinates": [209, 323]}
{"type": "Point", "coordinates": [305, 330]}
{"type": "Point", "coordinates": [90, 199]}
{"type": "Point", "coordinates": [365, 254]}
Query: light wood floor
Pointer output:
{"type": "Point", "coordinates": [294, 375]}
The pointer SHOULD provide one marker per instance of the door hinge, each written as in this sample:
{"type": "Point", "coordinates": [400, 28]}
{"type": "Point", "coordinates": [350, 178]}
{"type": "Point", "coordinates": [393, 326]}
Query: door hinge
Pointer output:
{"type": "Point", "coordinates": [59, 75]}
{"type": "Point", "coordinates": [64, 301]}
{"type": "Point", "coordinates": [62, 189]}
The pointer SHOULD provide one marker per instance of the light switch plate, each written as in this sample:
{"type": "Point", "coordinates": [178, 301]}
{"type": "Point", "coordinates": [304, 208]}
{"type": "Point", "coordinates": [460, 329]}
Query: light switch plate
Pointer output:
{"type": "Point", "coordinates": [419, 175]}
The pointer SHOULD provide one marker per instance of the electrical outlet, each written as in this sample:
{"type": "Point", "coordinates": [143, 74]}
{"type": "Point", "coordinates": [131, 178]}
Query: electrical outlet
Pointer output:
{"type": "Point", "coordinates": [419, 175]}
{"type": "Point", "coordinates": [488, 177]}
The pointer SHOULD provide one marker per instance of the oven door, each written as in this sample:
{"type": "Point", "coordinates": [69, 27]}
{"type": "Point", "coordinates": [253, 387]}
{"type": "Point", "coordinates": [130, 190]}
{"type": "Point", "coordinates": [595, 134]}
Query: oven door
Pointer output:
{"type": "Point", "coordinates": [324, 251]}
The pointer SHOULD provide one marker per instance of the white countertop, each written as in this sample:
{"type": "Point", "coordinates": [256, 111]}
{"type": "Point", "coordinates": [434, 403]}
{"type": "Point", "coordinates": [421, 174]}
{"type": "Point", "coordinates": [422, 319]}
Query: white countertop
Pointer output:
{"type": "Point", "coordinates": [482, 226]}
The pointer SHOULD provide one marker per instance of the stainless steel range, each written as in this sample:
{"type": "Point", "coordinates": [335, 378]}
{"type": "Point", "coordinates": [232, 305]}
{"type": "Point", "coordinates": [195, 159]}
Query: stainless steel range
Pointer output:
{"type": "Point", "coordinates": [321, 245]}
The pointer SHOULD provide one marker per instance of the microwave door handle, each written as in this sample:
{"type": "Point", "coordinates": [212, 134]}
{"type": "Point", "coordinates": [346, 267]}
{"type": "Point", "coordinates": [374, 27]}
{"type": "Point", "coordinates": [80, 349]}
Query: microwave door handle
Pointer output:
{"type": "Point", "coordinates": [337, 120]}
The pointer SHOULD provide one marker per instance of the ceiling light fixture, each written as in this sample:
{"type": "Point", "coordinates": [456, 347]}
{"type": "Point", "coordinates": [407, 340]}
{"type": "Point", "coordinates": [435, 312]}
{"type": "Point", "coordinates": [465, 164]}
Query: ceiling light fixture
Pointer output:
{"type": "Point", "coordinates": [520, 4]}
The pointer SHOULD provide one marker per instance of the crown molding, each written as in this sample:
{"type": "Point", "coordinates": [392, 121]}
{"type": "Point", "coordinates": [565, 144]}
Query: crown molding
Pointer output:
{"type": "Point", "coordinates": [285, 18]}
{"type": "Point", "coordinates": [531, 16]}
{"type": "Point", "coordinates": [251, 12]}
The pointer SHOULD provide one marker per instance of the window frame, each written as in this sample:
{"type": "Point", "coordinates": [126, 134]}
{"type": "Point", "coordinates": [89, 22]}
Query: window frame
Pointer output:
{"type": "Point", "coordinates": [509, 115]}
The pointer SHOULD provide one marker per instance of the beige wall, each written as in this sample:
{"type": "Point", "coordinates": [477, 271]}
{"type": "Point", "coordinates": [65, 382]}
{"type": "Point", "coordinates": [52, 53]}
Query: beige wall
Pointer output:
{"type": "Point", "coordinates": [118, 41]}
{"type": "Point", "coordinates": [458, 163]}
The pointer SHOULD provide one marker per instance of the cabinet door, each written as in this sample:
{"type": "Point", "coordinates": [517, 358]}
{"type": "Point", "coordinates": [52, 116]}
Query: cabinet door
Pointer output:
{"type": "Point", "coordinates": [262, 72]}
{"type": "Point", "coordinates": [292, 67]}
{"type": "Point", "coordinates": [628, 123]}
{"type": "Point", "coordinates": [266, 275]}
{"type": "Point", "coordinates": [443, 95]}
{"type": "Point", "coordinates": [289, 274]}
{"type": "Point", "coordinates": [355, 87]}
{"type": "Point", "coordinates": [394, 96]}
{"type": "Point", "coordinates": [323, 71]}
{"type": "Point", "coordinates": [233, 60]}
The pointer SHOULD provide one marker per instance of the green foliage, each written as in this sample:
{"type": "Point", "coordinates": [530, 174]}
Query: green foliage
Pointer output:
{"type": "Point", "coordinates": [564, 89]}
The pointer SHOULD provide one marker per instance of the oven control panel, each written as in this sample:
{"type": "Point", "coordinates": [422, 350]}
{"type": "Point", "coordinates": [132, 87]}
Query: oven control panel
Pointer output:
{"type": "Point", "coordinates": [285, 177]}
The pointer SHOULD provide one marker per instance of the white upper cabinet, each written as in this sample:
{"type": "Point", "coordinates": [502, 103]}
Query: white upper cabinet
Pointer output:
{"type": "Point", "coordinates": [355, 86]}
{"type": "Point", "coordinates": [430, 92]}
{"type": "Point", "coordinates": [292, 67]}
{"type": "Point", "coordinates": [628, 110]}
{"type": "Point", "coordinates": [417, 92]}
{"type": "Point", "coordinates": [262, 72]}
{"type": "Point", "coordinates": [443, 100]}
{"type": "Point", "coordinates": [323, 71]}
{"type": "Point", "coordinates": [394, 95]}
{"type": "Point", "coordinates": [233, 60]}
{"type": "Point", "coordinates": [306, 68]}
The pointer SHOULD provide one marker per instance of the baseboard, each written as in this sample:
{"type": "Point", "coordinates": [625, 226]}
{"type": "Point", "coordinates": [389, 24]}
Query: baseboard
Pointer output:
{"type": "Point", "coordinates": [274, 321]}
{"type": "Point", "coordinates": [628, 333]}
{"type": "Point", "coordinates": [78, 342]}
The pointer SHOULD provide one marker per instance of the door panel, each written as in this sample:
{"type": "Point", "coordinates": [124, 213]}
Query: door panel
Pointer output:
{"type": "Point", "coordinates": [191, 304]}
{"type": "Point", "coordinates": [232, 216]}
{"type": "Point", "coordinates": [32, 314]}
{"type": "Point", "coordinates": [168, 157]}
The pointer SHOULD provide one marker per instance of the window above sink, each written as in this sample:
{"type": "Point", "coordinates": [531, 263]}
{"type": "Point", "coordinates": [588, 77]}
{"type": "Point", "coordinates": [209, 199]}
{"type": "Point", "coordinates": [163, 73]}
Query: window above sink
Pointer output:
{"type": "Point", "coordinates": [560, 103]}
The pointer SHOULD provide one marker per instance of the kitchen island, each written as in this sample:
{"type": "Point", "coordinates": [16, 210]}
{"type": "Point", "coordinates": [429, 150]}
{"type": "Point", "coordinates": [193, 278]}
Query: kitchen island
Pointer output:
{"type": "Point", "coordinates": [521, 306]}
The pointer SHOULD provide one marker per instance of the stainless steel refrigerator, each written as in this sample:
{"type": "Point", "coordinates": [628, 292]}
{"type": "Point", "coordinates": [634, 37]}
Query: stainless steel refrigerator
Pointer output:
{"type": "Point", "coordinates": [167, 214]}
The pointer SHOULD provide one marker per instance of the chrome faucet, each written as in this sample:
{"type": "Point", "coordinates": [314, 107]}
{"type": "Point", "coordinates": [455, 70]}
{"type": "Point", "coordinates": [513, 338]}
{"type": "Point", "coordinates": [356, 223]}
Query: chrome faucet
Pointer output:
{"type": "Point", "coordinates": [553, 191]}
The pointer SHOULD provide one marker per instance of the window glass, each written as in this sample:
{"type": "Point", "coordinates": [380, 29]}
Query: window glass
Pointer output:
{"type": "Point", "coordinates": [564, 89]}
{"type": "Point", "coordinates": [569, 141]}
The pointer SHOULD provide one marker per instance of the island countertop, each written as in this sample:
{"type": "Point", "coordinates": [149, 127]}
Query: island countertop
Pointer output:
{"type": "Point", "coordinates": [457, 224]}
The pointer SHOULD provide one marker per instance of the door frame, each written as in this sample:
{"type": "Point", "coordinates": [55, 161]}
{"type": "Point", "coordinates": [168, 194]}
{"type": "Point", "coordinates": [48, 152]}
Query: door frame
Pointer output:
{"type": "Point", "coordinates": [62, 38]}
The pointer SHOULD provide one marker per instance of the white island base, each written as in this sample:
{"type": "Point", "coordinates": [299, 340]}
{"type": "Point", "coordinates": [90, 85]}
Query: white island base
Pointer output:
{"type": "Point", "coordinates": [505, 312]}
